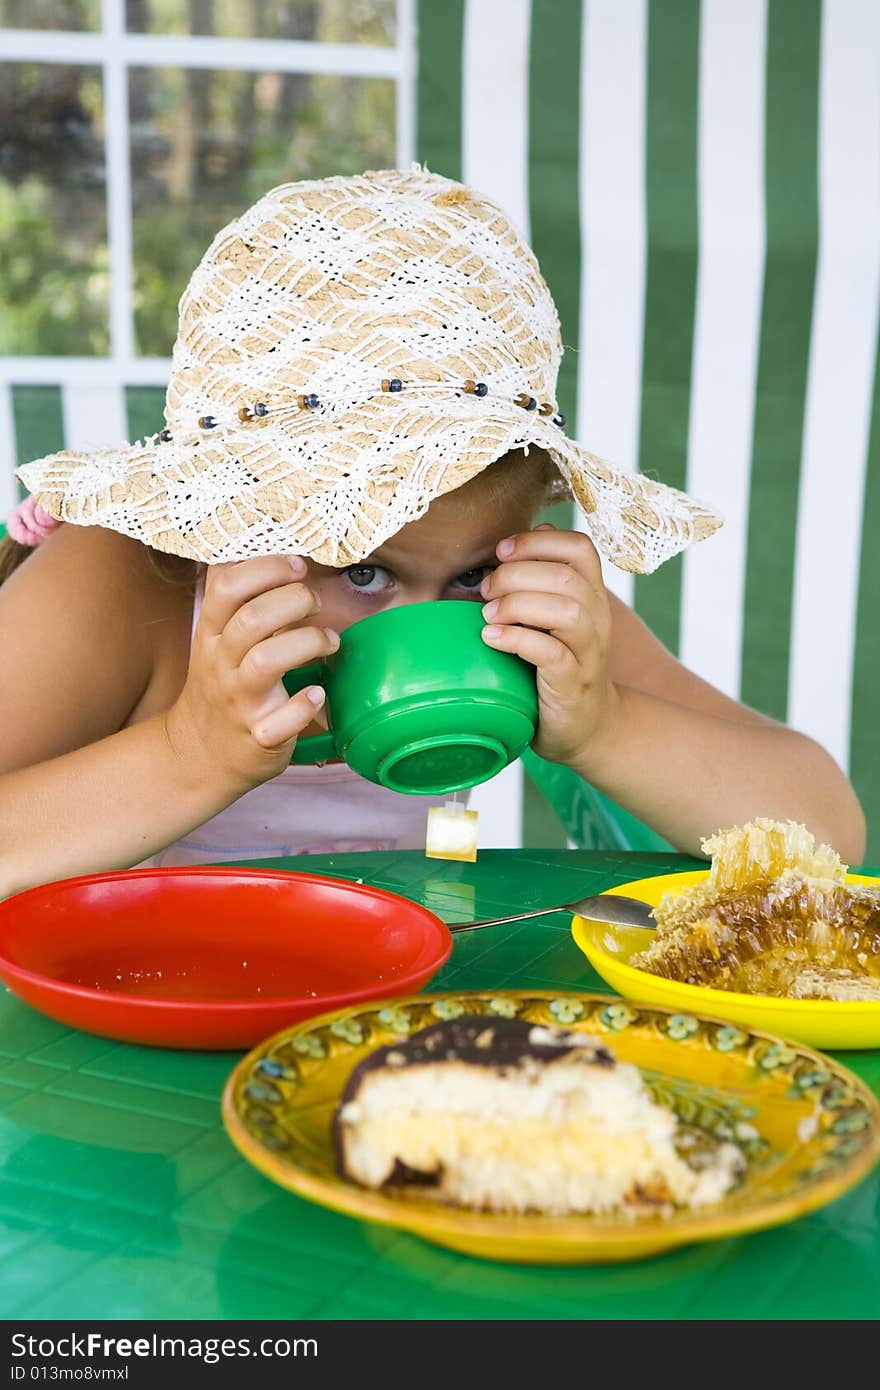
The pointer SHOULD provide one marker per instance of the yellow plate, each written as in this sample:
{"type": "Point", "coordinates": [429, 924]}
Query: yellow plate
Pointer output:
{"type": "Point", "coordinates": [820, 1022]}
{"type": "Point", "coordinates": [809, 1128]}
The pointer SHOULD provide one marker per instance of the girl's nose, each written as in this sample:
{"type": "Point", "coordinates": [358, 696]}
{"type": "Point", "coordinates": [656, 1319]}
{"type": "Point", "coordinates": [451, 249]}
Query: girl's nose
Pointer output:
{"type": "Point", "coordinates": [419, 593]}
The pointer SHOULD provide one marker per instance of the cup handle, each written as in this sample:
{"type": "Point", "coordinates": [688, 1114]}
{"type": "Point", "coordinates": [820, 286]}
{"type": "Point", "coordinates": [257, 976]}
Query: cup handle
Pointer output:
{"type": "Point", "coordinates": [317, 748]}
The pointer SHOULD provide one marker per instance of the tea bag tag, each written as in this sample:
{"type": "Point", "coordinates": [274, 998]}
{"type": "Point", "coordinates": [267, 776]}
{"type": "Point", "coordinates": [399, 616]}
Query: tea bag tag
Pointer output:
{"type": "Point", "coordinates": [452, 832]}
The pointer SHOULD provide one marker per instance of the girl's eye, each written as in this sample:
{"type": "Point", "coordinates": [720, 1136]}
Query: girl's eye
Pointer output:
{"type": "Point", "coordinates": [472, 579]}
{"type": "Point", "coordinates": [368, 578]}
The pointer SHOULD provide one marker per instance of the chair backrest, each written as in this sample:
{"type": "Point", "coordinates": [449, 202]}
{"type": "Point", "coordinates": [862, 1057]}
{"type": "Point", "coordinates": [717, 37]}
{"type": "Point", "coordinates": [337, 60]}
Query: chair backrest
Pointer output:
{"type": "Point", "coordinates": [674, 166]}
{"type": "Point", "coordinates": [590, 819]}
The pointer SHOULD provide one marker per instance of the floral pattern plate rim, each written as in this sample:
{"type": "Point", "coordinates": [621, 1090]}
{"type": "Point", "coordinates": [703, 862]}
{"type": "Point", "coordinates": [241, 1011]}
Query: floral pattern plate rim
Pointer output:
{"type": "Point", "coordinates": [818, 1022]}
{"type": "Point", "coordinates": [808, 1127]}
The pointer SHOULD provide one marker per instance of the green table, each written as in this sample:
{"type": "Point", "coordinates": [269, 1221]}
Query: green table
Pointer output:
{"type": "Point", "coordinates": [121, 1196]}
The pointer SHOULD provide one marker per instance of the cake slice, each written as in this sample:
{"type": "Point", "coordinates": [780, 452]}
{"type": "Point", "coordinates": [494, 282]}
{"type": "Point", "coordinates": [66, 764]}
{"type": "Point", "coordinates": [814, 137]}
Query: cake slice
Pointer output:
{"type": "Point", "coordinates": [775, 916]}
{"type": "Point", "coordinates": [505, 1115]}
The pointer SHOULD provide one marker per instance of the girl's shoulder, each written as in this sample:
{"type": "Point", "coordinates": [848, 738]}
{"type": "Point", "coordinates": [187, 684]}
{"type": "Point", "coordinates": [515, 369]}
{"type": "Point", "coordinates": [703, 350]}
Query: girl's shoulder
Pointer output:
{"type": "Point", "coordinates": [94, 633]}
{"type": "Point", "coordinates": [110, 576]}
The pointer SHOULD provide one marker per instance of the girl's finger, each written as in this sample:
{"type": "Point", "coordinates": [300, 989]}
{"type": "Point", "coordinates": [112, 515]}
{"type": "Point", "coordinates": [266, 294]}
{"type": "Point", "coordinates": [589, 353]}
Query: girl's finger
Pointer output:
{"type": "Point", "coordinates": [227, 587]}
{"type": "Point", "coordinates": [542, 576]}
{"type": "Point", "coordinates": [564, 547]}
{"type": "Point", "coordinates": [558, 614]}
{"type": "Point", "coordinates": [267, 662]}
{"type": "Point", "coordinates": [267, 613]}
{"type": "Point", "coordinates": [540, 649]}
{"type": "Point", "coordinates": [289, 720]}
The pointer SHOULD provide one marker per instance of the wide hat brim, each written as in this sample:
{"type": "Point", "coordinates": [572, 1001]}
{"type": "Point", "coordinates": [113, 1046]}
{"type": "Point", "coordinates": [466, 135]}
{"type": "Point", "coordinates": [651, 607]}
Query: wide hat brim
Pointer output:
{"type": "Point", "coordinates": [335, 485]}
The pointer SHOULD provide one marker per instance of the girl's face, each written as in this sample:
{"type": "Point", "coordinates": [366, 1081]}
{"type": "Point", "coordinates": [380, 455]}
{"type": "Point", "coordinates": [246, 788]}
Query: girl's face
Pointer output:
{"type": "Point", "coordinates": [444, 555]}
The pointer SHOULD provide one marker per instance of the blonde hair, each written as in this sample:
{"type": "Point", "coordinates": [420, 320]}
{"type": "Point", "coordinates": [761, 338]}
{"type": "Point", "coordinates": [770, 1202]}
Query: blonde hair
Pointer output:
{"type": "Point", "coordinates": [517, 472]}
{"type": "Point", "coordinates": [11, 556]}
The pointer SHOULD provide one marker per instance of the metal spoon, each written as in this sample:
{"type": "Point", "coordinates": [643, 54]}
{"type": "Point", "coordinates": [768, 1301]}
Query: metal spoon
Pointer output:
{"type": "Point", "coordinates": [604, 907]}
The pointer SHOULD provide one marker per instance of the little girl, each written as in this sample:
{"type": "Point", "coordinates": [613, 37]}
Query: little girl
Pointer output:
{"type": "Point", "coordinates": [361, 414]}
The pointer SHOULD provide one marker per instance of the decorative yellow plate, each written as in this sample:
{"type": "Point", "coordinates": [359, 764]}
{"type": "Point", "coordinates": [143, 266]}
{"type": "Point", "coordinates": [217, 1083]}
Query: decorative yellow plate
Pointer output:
{"type": "Point", "coordinates": [820, 1022]}
{"type": "Point", "coordinates": [809, 1128]}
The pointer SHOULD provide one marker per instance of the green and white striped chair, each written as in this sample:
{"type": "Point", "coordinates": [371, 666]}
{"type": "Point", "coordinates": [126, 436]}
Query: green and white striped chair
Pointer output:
{"type": "Point", "coordinates": [698, 181]}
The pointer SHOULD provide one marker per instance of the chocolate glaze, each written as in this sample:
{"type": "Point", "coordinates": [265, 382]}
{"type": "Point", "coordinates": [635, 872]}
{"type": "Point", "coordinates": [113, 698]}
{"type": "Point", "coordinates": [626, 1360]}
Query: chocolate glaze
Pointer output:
{"type": "Point", "coordinates": [481, 1042]}
{"type": "Point", "coordinates": [402, 1175]}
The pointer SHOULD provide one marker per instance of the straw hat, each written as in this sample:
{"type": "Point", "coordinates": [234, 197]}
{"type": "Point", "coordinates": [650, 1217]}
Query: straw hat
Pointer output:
{"type": "Point", "coordinates": [349, 349]}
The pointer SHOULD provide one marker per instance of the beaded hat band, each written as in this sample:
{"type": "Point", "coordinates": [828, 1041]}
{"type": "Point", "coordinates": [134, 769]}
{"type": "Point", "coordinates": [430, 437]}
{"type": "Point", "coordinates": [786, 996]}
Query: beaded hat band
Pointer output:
{"type": "Point", "coordinates": [348, 350]}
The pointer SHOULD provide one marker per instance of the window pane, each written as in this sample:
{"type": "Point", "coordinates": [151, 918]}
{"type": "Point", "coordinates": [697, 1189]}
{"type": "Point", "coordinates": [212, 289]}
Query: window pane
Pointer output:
{"type": "Point", "coordinates": [331, 21]}
{"type": "Point", "coordinates": [53, 217]}
{"type": "Point", "coordinates": [207, 144]}
{"type": "Point", "coordinates": [50, 14]}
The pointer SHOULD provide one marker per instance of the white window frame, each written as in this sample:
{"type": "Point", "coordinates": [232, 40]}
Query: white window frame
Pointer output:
{"type": "Point", "coordinates": [115, 50]}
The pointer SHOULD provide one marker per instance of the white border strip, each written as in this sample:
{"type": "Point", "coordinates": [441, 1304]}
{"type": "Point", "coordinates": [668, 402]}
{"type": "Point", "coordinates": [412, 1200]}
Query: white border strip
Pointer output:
{"type": "Point", "coordinates": [495, 101]}
{"type": "Point", "coordinates": [204, 51]}
{"type": "Point", "coordinates": [66, 371]}
{"type": "Point", "coordinates": [840, 377]}
{"type": "Point", "coordinates": [613, 235]}
{"type": "Point", "coordinates": [405, 106]}
{"type": "Point", "coordinates": [118, 153]}
{"type": "Point", "coordinates": [727, 329]}
{"type": "Point", "coordinates": [499, 804]}
{"type": "Point", "coordinates": [93, 415]}
{"type": "Point", "coordinates": [8, 453]}
{"type": "Point", "coordinates": [495, 159]}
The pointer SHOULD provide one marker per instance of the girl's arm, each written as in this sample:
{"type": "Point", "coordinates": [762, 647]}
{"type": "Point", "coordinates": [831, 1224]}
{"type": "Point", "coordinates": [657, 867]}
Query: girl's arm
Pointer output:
{"type": "Point", "coordinates": [91, 639]}
{"type": "Point", "coordinates": [114, 738]}
{"type": "Point", "coordinates": [105, 806]}
{"type": "Point", "coordinates": [688, 760]}
{"type": "Point", "coordinates": [623, 713]}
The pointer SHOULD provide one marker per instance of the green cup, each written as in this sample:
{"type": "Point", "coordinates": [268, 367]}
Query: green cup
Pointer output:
{"type": "Point", "coordinates": [417, 702]}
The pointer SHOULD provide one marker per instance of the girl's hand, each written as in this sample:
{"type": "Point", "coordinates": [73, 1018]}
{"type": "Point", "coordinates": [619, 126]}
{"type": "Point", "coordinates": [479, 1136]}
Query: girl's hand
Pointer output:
{"type": "Point", "coordinates": [233, 713]}
{"type": "Point", "coordinates": [547, 603]}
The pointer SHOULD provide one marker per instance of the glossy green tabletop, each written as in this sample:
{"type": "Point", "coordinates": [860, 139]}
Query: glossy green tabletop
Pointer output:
{"type": "Point", "coordinates": [121, 1196]}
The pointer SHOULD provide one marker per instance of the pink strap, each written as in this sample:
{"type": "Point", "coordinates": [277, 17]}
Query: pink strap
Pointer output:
{"type": "Point", "coordinates": [29, 524]}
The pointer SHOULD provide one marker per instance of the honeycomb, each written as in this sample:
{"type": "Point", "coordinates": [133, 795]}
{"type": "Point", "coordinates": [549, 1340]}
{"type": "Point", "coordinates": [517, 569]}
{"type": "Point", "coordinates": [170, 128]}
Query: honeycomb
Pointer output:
{"type": "Point", "coordinates": [775, 916]}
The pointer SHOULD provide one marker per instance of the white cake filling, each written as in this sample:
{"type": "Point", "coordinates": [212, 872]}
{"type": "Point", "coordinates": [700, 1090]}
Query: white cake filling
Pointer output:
{"type": "Point", "coordinates": [558, 1137]}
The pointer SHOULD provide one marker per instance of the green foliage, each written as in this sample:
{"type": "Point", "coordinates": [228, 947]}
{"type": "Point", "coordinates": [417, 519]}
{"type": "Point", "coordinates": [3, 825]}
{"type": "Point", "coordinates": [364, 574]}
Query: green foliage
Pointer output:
{"type": "Point", "coordinates": [248, 136]}
{"type": "Point", "coordinates": [54, 289]}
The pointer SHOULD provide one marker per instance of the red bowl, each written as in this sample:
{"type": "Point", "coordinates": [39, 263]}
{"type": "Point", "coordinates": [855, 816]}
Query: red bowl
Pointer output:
{"type": "Point", "coordinates": [211, 957]}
